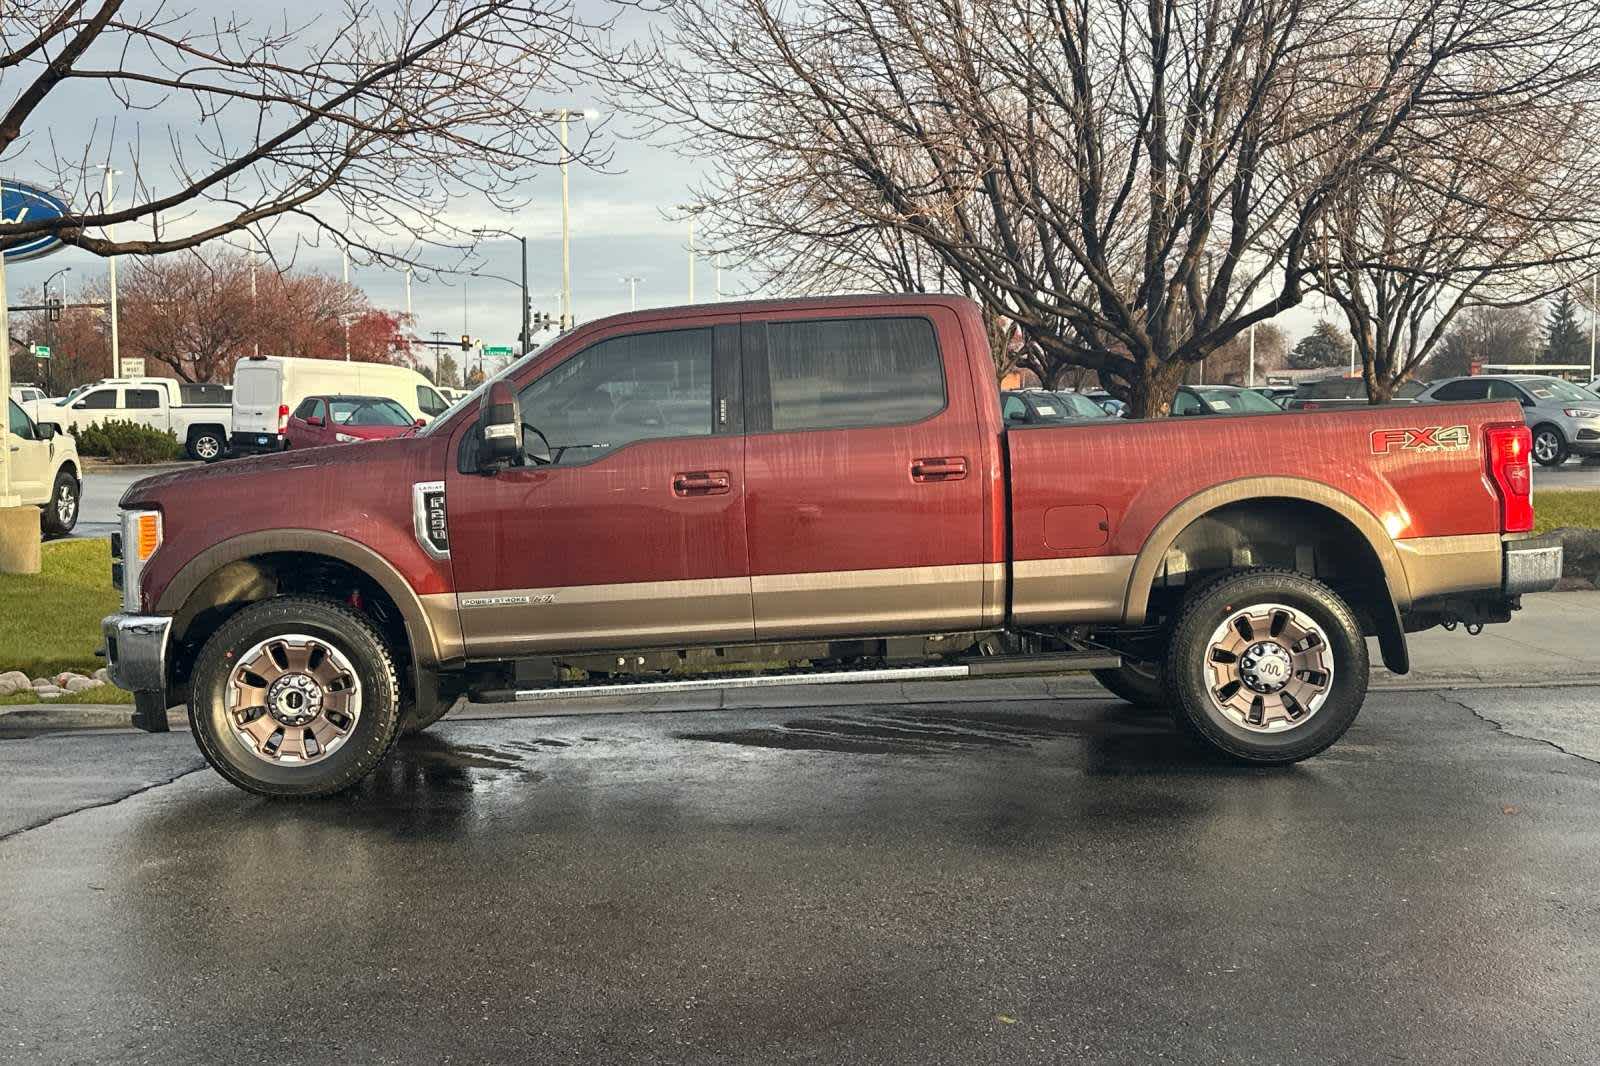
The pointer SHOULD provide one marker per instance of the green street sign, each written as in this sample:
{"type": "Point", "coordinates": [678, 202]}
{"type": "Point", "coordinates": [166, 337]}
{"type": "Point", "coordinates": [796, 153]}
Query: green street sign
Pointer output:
{"type": "Point", "coordinates": [40, 351]}
{"type": "Point", "coordinates": [496, 349]}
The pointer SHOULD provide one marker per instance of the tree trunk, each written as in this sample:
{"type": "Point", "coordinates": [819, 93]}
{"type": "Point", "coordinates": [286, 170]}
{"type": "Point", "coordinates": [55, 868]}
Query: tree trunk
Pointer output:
{"type": "Point", "coordinates": [1151, 392]}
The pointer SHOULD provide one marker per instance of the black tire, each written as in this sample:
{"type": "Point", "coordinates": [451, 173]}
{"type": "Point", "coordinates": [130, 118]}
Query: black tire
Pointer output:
{"type": "Point", "coordinates": [418, 714]}
{"type": "Point", "coordinates": [1554, 444]}
{"type": "Point", "coordinates": [354, 636]}
{"type": "Point", "coordinates": [53, 522]}
{"type": "Point", "coordinates": [207, 445]}
{"type": "Point", "coordinates": [1140, 684]}
{"type": "Point", "coordinates": [1209, 607]}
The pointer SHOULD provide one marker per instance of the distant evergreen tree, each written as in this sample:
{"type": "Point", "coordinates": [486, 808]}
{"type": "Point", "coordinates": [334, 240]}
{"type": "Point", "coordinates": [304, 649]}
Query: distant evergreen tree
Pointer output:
{"type": "Point", "coordinates": [1325, 345]}
{"type": "Point", "coordinates": [1564, 340]}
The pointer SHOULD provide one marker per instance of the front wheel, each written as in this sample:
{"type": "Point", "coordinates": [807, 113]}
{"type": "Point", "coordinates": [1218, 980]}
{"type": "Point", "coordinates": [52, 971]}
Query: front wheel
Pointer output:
{"type": "Point", "coordinates": [1268, 666]}
{"type": "Point", "coordinates": [61, 511]}
{"type": "Point", "coordinates": [295, 696]}
{"type": "Point", "coordinates": [1549, 447]}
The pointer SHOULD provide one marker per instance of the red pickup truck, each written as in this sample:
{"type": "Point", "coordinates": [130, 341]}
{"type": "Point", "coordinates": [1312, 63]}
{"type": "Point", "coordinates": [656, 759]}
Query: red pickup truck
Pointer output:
{"type": "Point", "coordinates": [806, 491]}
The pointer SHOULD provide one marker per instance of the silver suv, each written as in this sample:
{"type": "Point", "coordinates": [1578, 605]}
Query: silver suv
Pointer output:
{"type": "Point", "coordinates": [1565, 418]}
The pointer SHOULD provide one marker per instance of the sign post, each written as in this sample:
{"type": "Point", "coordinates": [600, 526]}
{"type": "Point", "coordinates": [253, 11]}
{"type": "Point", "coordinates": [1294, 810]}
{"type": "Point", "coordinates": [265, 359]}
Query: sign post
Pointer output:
{"type": "Point", "coordinates": [19, 526]}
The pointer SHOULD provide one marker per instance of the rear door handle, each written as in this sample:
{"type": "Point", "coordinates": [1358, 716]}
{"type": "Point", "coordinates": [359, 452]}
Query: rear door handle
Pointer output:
{"type": "Point", "coordinates": [945, 468]}
{"type": "Point", "coordinates": [702, 483]}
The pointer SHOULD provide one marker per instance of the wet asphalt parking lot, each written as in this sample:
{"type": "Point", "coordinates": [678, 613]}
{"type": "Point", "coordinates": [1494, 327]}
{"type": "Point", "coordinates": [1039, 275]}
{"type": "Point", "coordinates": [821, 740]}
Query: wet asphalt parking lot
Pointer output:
{"type": "Point", "coordinates": [1051, 880]}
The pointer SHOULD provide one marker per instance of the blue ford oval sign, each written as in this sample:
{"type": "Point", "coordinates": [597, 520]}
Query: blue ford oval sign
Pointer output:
{"type": "Point", "coordinates": [25, 203]}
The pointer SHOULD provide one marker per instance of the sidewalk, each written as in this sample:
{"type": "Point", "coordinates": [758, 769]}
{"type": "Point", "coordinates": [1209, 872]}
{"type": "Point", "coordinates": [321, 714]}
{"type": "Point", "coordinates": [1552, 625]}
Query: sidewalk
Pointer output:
{"type": "Point", "coordinates": [1553, 641]}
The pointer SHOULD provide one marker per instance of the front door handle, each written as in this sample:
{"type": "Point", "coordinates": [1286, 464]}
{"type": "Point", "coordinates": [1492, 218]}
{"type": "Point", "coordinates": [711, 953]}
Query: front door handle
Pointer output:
{"type": "Point", "coordinates": [702, 483]}
{"type": "Point", "coordinates": [945, 468]}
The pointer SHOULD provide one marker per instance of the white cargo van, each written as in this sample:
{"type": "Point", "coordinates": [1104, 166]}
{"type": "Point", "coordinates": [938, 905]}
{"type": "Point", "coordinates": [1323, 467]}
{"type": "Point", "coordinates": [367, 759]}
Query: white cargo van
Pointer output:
{"type": "Point", "coordinates": [267, 387]}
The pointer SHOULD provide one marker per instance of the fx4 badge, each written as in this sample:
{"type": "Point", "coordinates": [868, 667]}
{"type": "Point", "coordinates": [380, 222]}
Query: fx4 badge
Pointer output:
{"type": "Point", "coordinates": [1421, 439]}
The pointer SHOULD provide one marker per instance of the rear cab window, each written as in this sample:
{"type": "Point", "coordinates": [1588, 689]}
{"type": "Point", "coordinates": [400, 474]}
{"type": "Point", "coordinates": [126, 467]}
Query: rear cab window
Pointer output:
{"type": "Point", "coordinates": [847, 373]}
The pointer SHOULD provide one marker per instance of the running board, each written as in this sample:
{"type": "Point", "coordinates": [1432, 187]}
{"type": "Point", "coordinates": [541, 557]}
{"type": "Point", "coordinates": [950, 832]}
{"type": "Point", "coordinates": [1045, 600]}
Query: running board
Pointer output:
{"type": "Point", "coordinates": [999, 666]}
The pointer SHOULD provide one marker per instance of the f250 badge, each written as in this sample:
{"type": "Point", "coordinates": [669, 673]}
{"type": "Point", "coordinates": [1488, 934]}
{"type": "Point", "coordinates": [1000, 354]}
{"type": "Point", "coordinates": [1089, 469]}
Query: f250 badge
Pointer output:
{"type": "Point", "coordinates": [1421, 439]}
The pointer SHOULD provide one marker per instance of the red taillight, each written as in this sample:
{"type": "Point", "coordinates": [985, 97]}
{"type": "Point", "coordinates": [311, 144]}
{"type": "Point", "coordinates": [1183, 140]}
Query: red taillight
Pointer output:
{"type": "Point", "coordinates": [1512, 474]}
{"type": "Point", "coordinates": [1309, 405]}
{"type": "Point", "coordinates": [283, 417]}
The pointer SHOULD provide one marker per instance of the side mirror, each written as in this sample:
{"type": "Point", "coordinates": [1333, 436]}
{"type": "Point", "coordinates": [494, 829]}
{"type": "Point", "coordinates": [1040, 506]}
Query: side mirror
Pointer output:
{"type": "Point", "coordinates": [313, 421]}
{"type": "Point", "coordinates": [81, 405]}
{"type": "Point", "coordinates": [46, 430]}
{"type": "Point", "coordinates": [1016, 416]}
{"type": "Point", "coordinates": [419, 423]}
{"type": "Point", "coordinates": [499, 427]}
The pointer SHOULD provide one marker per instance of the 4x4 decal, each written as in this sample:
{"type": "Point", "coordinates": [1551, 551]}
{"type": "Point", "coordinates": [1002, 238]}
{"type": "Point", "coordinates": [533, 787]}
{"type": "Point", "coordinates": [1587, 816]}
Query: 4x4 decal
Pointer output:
{"type": "Point", "coordinates": [1421, 439]}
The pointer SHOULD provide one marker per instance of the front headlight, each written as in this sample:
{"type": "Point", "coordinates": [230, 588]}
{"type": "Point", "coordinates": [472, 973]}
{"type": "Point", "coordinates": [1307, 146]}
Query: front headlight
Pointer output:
{"type": "Point", "coordinates": [141, 537]}
{"type": "Point", "coordinates": [345, 438]}
{"type": "Point", "coordinates": [1581, 412]}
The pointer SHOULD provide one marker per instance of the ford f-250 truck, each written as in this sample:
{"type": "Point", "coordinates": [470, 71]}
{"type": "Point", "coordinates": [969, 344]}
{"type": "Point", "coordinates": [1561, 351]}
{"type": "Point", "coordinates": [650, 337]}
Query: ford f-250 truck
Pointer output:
{"type": "Point", "coordinates": [810, 491]}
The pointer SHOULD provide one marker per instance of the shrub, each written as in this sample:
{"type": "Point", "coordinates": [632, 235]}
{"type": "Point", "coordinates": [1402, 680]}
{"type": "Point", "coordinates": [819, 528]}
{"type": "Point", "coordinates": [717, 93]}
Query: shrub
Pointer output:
{"type": "Point", "coordinates": [128, 442]}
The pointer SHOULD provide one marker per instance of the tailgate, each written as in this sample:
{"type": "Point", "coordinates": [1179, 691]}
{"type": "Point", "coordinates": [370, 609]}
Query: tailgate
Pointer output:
{"type": "Point", "coordinates": [256, 392]}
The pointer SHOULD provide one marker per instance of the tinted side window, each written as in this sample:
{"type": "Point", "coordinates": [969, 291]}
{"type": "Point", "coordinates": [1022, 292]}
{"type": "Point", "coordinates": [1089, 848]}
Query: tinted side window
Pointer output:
{"type": "Point", "coordinates": [98, 400]}
{"type": "Point", "coordinates": [829, 374]}
{"type": "Point", "coordinates": [141, 399]}
{"type": "Point", "coordinates": [429, 402]}
{"type": "Point", "coordinates": [642, 387]}
{"type": "Point", "coordinates": [1015, 409]}
{"type": "Point", "coordinates": [304, 411]}
{"type": "Point", "coordinates": [1462, 390]}
{"type": "Point", "coordinates": [1504, 390]}
{"type": "Point", "coordinates": [19, 421]}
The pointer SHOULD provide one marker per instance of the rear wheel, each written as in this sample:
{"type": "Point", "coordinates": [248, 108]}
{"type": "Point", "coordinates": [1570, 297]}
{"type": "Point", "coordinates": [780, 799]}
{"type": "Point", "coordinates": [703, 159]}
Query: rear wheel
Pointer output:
{"type": "Point", "coordinates": [1268, 666]}
{"type": "Point", "coordinates": [1140, 684]}
{"type": "Point", "coordinates": [206, 445]}
{"type": "Point", "coordinates": [61, 510]}
{"type": "Point", "coordinates": [295, 697]}
{"type": "Point", "coordinates": [1549, 446]}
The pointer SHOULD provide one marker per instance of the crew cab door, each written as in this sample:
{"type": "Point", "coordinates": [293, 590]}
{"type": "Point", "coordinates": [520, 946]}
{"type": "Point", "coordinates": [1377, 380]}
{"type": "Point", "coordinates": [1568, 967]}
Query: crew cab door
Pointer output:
{"type": "Point", "coordinates": [866, 475]}
{"type": "Point", "coordinates": [30, 456]}
{"type": "Point", "coordinates": [145, 406]}
{"type": "Point", "coordinates": [631, 533]}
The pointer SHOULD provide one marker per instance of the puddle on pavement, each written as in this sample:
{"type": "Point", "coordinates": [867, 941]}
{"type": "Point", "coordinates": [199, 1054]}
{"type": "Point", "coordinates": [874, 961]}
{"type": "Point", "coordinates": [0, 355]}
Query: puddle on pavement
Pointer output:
{"type": "Point", "coordinates": [913, 732]}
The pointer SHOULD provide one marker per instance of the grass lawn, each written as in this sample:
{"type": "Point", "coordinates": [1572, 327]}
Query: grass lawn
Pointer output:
{"type": "Point", "coordinates": [50, 621]}
{"type": "Point", "coordinates": [98, 694]}
{"type": "Point", "coordinates": [1557, 510]}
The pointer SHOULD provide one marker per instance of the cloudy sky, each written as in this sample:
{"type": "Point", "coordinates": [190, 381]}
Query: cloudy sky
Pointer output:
{"type": "Point", "coordinates": [620, 226]}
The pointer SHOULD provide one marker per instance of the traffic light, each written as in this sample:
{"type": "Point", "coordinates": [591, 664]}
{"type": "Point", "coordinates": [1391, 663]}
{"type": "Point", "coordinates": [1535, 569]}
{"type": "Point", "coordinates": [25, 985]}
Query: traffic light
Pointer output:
{"type": "Point", "coordinates": [54, 314]}
{"type": "Point", "coordinates": [466, 343]}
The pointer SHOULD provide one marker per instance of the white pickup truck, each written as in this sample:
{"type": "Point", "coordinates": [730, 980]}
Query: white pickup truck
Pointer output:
{"type": "Point", "coordinates": [45, 471]}
{"type": "Point", "coordinates": [202, 428]}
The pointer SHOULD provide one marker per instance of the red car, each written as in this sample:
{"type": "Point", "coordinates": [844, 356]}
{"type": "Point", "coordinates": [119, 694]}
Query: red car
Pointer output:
{"type": "Point", "coordinates": [805, 492]}
{"type": "Point", "coordinates": [320, 420]}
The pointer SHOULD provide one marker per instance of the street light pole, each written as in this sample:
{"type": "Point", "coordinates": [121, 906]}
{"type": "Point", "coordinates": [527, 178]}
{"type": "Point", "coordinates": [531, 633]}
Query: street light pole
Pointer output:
{"type": "Point", "coordinates": [1594, 319]}
{"type": "Point", "coordinates": [111, 274]}
{"type": "Point", "coordinates": [50, 325]}
{"type": "Point", "coordinates": [344, 255]}
{"type": "Point", "coordinates": [566, 233]}
{"type": "Point", "coordinates": [1252, 355]}
{"type": "Point", "coordinates": [633, 292]}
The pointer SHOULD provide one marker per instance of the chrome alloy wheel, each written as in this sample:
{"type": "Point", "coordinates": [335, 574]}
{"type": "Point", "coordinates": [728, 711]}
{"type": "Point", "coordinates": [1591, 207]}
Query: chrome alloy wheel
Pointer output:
{"type": "Point", "coordinates": [1269, 668]}
{"type": "Point", "coordinates": [1546, 446]}
{"type": "Point", "coordinates": [293, 699]}
{"type": "Point", "coordinates": [66, 504]}
{"type": "Point", "coordinates": [207, 447]}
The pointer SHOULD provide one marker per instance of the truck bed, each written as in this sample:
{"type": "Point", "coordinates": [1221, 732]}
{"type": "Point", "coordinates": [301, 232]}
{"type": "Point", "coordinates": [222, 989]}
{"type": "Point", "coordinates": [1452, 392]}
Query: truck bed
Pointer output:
{"type": "Point", "coordinates": [1087, 499]}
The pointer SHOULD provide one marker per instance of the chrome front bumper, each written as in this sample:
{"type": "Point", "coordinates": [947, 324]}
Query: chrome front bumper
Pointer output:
{"type": "Point", "coordinates": [136, 659]}
{"type": "Point", "coordinates": [1532, 565]}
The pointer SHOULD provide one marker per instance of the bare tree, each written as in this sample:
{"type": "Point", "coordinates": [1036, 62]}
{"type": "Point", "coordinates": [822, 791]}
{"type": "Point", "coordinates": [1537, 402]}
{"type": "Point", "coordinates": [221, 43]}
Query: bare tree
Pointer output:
{"type": "Point", "coordinates": [1499, 207]}
{"type": "Point", "coordinates": [365, 122]}
{"type": "Point", "coordinates": [1133, 183]}
{"type": "Point", "coordinates": [1487, 335]}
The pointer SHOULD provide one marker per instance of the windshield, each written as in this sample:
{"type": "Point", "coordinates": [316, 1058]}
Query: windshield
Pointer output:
{"type": "Point", "coordinates": [1080, 406]}
{"type": "Point", "coordinates": [1554, 389]}
{"type": "Point", "coordinates": [361, 411]}
{"type": "Point", "coordinates": [1237, 400]}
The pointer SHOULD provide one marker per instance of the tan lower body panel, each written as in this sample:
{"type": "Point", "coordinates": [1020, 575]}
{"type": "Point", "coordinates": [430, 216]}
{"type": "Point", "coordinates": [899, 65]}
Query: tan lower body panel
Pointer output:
{"type": "Point", "coordinates": [584, 617]}
{"type": "Point", "coordinates": [1070, 590]}
{"type": "Point", "coordinates": [445, 620]}
{"type": "Point", "coordinates": [1439, 566]}
{"type": "Point", "coordinates": [914, 599]}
